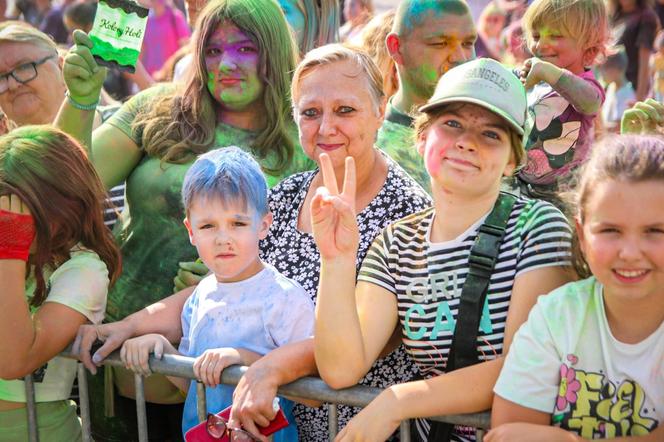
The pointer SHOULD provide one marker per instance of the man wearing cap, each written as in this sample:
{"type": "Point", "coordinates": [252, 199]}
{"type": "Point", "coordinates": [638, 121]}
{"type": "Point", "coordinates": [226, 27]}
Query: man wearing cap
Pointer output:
{"type": "Point", "coordinates": [428, 38]}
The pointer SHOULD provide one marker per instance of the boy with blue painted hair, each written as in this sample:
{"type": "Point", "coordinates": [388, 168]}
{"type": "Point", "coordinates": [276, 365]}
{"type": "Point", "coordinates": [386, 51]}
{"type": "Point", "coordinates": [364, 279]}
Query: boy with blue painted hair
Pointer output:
{"type": "Point", "coordinates": [244, 308]}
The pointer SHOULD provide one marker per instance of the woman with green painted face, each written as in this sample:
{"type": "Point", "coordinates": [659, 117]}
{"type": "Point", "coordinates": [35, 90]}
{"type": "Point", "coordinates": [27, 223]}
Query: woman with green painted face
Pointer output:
{"type": "Point", "coordinates": [240, 47]}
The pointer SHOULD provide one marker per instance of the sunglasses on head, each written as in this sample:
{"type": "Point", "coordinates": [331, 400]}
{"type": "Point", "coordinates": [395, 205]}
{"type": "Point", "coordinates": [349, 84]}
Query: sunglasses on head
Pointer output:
{"type": "Point", "coordinates": [217, 427]}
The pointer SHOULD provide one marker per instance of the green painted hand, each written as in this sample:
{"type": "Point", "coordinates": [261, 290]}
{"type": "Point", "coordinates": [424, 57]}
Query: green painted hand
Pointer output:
{"type": "Point", "coordinates": [189, 274]}
{"type": "Point", "coordinates": [84, 78]}
{"type": "Point", "coordinates": [645, 117]}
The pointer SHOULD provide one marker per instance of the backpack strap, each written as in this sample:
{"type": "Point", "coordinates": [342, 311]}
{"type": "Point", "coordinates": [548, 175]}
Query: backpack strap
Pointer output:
{"type": "Point", "coordinates": [482, 260]}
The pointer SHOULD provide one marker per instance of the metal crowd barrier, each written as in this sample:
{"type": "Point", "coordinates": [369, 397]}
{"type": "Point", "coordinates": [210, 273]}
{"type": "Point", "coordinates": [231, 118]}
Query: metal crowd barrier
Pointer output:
{"type": "Point", "coordinates": [180, 366]}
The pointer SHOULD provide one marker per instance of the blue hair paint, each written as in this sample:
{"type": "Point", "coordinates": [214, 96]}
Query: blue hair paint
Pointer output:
{"type": "Point", "coordinates": [227, 173]}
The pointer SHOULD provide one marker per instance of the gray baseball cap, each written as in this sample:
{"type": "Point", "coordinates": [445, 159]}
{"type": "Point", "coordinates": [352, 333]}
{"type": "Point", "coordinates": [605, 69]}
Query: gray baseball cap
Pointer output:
{"type": "Point", "coordinates": [486, 83]}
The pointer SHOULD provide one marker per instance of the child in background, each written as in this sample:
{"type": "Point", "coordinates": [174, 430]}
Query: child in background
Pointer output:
{"type": "Point", "coordinates": [357, 14]}
{"type": "Point", "coordinates": [657, 63]}
{"type": "Point", "coordinates": [590, 358]}
{"type": "Point", "coordinates": [620, 94]}
{"type": "Point", "coordinates": [516, 51]}
{"type": "Point", "coordinates": [373, 41]}
{"type": "Point", "coordinates": [566, 38]}
{"type": "Point", "coordinates": [490, 26]}
{"type": "Point", "coordinates": [245, 308]}
{"type": "Point", "coordinates": [56, 262]}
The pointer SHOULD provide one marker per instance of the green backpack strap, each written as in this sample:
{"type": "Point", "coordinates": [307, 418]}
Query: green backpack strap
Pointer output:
{"type": "Point", "coordinates": [482, 260]}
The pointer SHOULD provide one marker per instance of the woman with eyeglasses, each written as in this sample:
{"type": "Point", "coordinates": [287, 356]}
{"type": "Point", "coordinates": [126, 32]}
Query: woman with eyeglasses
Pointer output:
{"type": "Point", "coordinates": [32, 88]}
{"type": "Point", "coordinates": [31, 83]}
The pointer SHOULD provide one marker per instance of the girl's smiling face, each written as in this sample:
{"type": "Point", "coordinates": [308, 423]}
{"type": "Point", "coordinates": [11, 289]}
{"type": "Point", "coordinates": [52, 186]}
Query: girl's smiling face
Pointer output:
{"type": "Point", "coordinates": [467, 149]}
{"type": "Point", "coordinates": [561, 50]}
{"type": "Point", "coordinates": [232, 61]}
{"type": "Point", "coordinates": [622, 239]}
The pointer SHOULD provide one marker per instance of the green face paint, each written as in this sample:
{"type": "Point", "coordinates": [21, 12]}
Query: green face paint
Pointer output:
{"type": "Point", "coordinates": [398, 142]}
{"type": "Point", "coordinates": [424, 79]}
{"type": "Point", "coordinates": [232, 61]}
{"type": "Point", "coordinates": [117, 33]}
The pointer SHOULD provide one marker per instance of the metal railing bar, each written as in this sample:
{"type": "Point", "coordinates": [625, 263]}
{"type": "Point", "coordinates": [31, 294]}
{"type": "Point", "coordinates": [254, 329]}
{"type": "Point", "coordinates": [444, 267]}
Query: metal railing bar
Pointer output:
{"type": "Point", "coordinates": [141, 414]}
{"type": "Point", "coordinates": [31, 408]}
{"type": "Point", "coordinates": [404, 431]}
{"type": "Point", "coordinates": [332, 421]}
{"type": "Point", "coordinates": [84, 402]}
{"type": "Point", "coordinates": [307, 388]}
{"type": "Point", "coordinates": [201, 402]}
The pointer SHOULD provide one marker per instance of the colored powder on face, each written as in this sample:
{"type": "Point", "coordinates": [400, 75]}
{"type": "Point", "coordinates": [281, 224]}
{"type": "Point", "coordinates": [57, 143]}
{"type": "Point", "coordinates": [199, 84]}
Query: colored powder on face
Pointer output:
{"type": "Point", "coordinates": [428, 73]}
{"type": "Point", "coordinates": [417, 11]}
{"type": "Point", "coordinates": [399, 143]}
{"type": "Point", "coordinates": [421, 80]}
{"type": "Point", "coordinates": [211, 84]}
{"type": "Point", "coordinates": [432, 160]}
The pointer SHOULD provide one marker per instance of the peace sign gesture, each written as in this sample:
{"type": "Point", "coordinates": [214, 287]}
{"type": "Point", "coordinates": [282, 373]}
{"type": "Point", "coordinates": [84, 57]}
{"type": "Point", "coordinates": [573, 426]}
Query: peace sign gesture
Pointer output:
{"type": "Point", "coordinates": [333, 213]}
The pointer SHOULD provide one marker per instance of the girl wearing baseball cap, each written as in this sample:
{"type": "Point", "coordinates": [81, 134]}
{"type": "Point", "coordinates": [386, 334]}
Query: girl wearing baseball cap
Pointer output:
{"type": "Point", "coordinates": [454, 281]}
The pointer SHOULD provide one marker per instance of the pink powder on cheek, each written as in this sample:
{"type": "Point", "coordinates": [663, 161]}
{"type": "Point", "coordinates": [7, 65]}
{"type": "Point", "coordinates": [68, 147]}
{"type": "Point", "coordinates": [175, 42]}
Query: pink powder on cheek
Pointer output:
{"type": "Point", "coordinates": [433, 159]}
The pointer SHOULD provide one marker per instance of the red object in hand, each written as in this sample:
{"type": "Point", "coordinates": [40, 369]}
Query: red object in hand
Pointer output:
{"type": "Point", "coordinates": [216, 429]}
{"type": "Point", "coordinates": [17, 231]}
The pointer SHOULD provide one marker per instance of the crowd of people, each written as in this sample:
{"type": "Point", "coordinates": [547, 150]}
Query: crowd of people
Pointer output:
{"type": "Point", "coordinates": [458, 202]}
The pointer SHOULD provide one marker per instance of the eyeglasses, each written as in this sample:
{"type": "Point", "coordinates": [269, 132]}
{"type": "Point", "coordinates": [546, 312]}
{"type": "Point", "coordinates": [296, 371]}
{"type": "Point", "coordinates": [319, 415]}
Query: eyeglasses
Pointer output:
{"type": "Point", "coordinates": [23, 73]}
{"type": "Point", "coordinates": [217, 427]}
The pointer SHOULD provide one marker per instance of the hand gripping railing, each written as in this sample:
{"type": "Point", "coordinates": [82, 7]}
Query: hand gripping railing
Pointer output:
{"type": "Point", "coordinates": [180, 366]}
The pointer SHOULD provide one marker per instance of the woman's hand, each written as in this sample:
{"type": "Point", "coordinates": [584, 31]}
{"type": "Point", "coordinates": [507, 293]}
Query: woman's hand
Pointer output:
{"type": "Point", "coordinates": [209, 366]}
{"type": "Point", "coordinates": [253, 398]}
{"type": "Point", "coordinates": [83, 76]}
{"type": "Point", "coordinates": [333, 214]}
{"type": "Point", "coordinates": [645, 117]}
{"type": "Point", "coordinates": [112, 335]}
{"type": "Point", "coordinates": [376, 422]}
{"type": "Point", "coordinates": [136, 352]}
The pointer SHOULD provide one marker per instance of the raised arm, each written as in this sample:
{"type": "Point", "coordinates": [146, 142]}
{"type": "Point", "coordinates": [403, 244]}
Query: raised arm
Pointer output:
{"type": "Point", "coordinates": [348, 337]}
{"type": "Point", "coordinates": [112, 152]}
{"type": "Point", "coordinates": [583, 95]}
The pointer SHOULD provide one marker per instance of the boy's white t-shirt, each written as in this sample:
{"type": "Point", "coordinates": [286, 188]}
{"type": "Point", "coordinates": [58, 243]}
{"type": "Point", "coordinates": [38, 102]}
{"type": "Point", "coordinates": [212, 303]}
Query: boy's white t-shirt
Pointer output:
{"type": "Point", "coordinates": [259, 314]}
{"type": "Point", "coordinates": [565, 361]}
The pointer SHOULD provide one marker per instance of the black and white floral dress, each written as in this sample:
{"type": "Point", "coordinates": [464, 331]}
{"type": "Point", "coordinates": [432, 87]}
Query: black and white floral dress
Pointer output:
{"type": "Point", "coordinates": [294, 253]}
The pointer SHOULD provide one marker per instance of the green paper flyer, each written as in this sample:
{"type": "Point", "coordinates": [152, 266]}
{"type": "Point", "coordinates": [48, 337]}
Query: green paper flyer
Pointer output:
{"type": "Point", "coordinates": [117, 33]}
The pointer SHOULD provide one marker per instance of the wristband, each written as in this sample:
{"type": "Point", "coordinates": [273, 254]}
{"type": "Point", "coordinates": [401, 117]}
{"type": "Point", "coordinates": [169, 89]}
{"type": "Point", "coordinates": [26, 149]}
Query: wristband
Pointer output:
{"type": "Point", "coordinates": [79, 106]}
{"type": "Point", "coordinates": [17, 231]}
